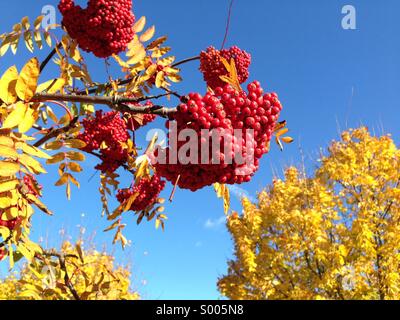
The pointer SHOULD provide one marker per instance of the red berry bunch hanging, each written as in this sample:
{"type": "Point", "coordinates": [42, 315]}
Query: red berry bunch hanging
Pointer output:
{"type": "Point", "coordinates": [226, 109]}
{"type": "Point", "coordinates": [105, 27]}
{"type": "Point", "coordinates": [133, 119]}
{"type": "Point", "coordinates": [148, 190]}
{"type": "Point", "coordinates": [10, 224]}
{"type": "Point", "coordinates": [106, 132]}
{"type": "Point", "coordinates": [32, 185]}
{"type": "Point", "coordinates": [212, 67]}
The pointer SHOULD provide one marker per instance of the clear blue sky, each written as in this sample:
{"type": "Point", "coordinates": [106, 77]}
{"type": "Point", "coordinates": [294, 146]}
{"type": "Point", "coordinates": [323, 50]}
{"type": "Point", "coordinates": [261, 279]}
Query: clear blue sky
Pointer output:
{"type": "Point", "coordinates": [327, 78]}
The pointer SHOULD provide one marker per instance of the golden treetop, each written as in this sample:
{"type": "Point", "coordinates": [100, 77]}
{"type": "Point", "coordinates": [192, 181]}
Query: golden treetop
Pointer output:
{"type": "Point", "coordinates": [331, 236]}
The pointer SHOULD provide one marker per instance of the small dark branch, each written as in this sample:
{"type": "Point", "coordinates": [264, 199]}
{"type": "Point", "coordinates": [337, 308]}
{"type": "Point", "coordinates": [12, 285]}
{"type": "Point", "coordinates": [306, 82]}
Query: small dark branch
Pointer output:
{"type": "Point", "coordinates": [3, 244]}
{"type": "Point", "coordinates": [171, 198]}
{"type": "Point", "coordinates": [55, 132]}
{"type": "Point", "coordinates": [185, 61]}
{"type": "Point", "coordinates": [67, 279]}
{"type": "Point", "coordinates": [49, 57]}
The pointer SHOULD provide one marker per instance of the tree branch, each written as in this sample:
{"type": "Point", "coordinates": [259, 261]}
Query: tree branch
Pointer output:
{"type": "Point", "coordinates": [116, 102]}
{"type": "Point", "coordinates": [55, 132]}
{"type": "Point", "coordinates": [49, 57]}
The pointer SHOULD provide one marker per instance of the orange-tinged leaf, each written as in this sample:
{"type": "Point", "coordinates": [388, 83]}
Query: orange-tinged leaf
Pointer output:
{"type": "Point", "coordinates": [75, 167]}
{"type": "Point", "coordinates": [8, 169]}
{"type": "Point", "coordinates": [75, 156]}
{"type": "Point", "coordinates": [63, 180]}
{"type": "Point", "coordinates": [16, 116]}
{"type": "Point", "coordinates": [31, 164]}
{"type": "Point", "coordinates": [282, 132]}
{"type": "Point", "coordinates": [75, 143]}
{"type": "Point", "coordinates": [8, 83]}
{"type": "Point", "coordinates": [287, 139]}
{"type": "Point", "coordinates": [56, 158]}
{"type": "Point", "coordinates": [27, 80]}
{"type": "Point", "coordinates": [54, 145]}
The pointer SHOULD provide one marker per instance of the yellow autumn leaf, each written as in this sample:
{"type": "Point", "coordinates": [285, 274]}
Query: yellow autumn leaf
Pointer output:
{"type": "Point", "coordinates": [8, 168]}
{"type": "Point", "coordinates": [6, 141]}
{"type": "Point", "coordinates": [8, 152]}
{"type": "Point", "coordinates": [33, 151]}
{"type": "Point", "coordinates": [8, 83]}
{"type": "Point", "coordinates": [27, 80]}
{"type": "Point", "coordinates": [139, 25]}
{"type": "Point", "coordinates": [8, 185]}
{"type": "Point", "coordinates": [28, 121]}
{"type": "Point", "coordinates": [16, 116]}
{"type": "Point", "coordinates": [31, 164]}
{"type": "Point", "coordinates": [51, 86]}
{"type": "Point", "coordinates": [148, 34]}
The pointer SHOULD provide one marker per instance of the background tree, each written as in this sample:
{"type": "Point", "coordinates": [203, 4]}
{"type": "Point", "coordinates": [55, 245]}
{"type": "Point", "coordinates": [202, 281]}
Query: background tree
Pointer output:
{"type": "Point", "coordinates": [68, 274]}
{"type": "Point", "coordinates": [335, 235]}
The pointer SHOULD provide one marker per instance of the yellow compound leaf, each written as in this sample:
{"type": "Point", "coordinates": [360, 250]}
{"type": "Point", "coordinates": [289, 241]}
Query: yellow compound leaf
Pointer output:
{"type": "Point", "coordinates": [148, 34]}
{"type": "Point", "coordinates": [31, 164]}
{"type": "Point", "coordinates": [8, 185]}
{"type": "Point", "coordinates": [51, 86]}
{"type": "Point", "coordinates": [27, 80]}
{"type": "Point", "coordinates": [8, 83]}
{"type": "Point", "coordinates": [139, 25]}
{"type": "Point", "coordinates": [8, 152]}
{"type": "Point", "coordinates": [160, 79]}
{"type": "Point", "coordinates": [6, 141]}
{"type": "Point", "coordinates": [8, 169]}
{"type": "Point", "coordinates": [33, 151]}
{"type": "Point", "coordinates": [28, 121]}
{"type": "Point", "coordinates": [16, 116]}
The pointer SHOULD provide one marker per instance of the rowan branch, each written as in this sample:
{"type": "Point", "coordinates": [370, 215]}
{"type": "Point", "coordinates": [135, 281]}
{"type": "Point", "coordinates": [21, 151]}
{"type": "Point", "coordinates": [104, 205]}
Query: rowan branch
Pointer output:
{"type": "Point", "coordinates": [50, 56]}
{"type": "Point", "coordinates": [129, 80]}
{"type": "Point", "coordinates": [116, 102]}
{"type": "Point", "coordinates": [56, 132]}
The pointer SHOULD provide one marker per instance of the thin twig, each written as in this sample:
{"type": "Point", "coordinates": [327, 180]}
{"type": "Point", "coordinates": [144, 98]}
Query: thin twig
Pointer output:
{"type": "Point", "coordinates": [50, 56]}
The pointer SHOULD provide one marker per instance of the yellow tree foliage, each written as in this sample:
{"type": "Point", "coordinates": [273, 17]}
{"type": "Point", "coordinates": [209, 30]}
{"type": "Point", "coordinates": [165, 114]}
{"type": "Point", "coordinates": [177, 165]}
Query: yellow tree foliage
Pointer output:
{"type": "Point", "coordinates": [70, 274]}
{"type": "Point", "coordinates": [335, 235]}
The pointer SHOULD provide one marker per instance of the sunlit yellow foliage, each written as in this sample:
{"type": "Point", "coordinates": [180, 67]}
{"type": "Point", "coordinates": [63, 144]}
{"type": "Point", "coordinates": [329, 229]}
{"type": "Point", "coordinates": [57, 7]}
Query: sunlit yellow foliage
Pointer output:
{"type": "Point", "coordinates": [335, 235]}
{"type": "Point", "coordinates": [93, 276]}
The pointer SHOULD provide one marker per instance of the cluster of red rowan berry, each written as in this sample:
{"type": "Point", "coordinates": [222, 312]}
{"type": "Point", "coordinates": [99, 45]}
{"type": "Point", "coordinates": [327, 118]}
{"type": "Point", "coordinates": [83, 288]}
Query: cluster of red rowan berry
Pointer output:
{"type": "Point", "coordinates": [212, 67]}
{"type": "Point", "coordinates": [147, 190]}
{"type": "Point", "coordinates": [254, 113]}
{"type": "Point", "coordinates": [105, 27]}
{"type": "Point", "coordinates": [32, 185]}
{"type": "Point", "coordinates": [105, 132]}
